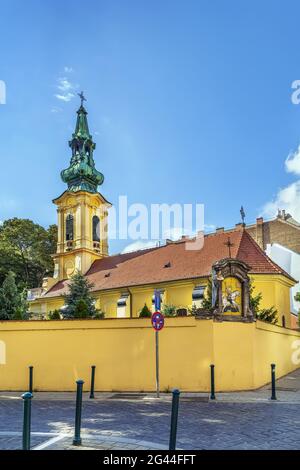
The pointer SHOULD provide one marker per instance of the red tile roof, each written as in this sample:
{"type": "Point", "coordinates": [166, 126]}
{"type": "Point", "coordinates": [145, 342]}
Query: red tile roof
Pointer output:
{"type": "Point", "coordinates": [148, 266]}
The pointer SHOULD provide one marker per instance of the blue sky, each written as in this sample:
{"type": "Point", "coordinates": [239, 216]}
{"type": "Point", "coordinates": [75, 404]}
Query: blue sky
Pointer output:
{"type": "Point", "coordinates": [189, 101]}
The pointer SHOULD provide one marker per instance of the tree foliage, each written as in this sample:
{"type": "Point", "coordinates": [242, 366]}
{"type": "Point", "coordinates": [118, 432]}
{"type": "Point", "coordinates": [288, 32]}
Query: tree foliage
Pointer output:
{"type": "Point", "coordinates": [13, 304]}
{"type": "Point", "coordinates": [297, 298]}
{"type": "Point", "coordinates": [269, 315]}
{"type": "Point", "coordinates": [79, 301]}
{"type": "Point", "coordinates": [169, 310]}
{"type": "Point", "coordinates": [145, 312]}
{"type": "Point", "coordinates": [207, 300]}
{"type": "Point", "coordinates": [25, 249]}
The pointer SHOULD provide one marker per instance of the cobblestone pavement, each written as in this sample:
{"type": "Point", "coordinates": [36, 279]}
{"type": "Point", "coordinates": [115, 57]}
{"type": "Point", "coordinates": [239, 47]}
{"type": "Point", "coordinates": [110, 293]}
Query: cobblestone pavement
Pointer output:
{"type": "Point", "coordinates": [247, 420]}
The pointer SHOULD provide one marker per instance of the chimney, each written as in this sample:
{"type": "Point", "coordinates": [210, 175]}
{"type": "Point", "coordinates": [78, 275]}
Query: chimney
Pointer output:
{"type": "Point", "coordinates": [260, 232]}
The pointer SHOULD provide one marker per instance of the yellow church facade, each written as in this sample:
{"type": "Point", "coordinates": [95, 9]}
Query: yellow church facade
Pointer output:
{"type": "Point", "coordinates": [124, 283]}
{"type": "Point", "coordinates": [229, 268]}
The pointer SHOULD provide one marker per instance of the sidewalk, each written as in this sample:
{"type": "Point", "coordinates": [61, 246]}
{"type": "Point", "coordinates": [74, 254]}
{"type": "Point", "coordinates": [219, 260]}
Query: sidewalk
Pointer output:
{"type": "Point", "coordinates": [287, 391]}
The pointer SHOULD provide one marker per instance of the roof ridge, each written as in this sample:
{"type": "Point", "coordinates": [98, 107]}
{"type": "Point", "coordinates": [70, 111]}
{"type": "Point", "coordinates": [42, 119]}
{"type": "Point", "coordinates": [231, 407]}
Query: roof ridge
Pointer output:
{"type": "Point", "coordinates": [241, 238]}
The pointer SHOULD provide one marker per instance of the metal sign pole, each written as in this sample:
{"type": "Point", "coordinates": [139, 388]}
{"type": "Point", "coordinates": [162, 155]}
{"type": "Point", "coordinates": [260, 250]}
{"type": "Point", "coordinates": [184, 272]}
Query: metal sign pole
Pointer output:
{"type": "Point", "coordinates": [157, 303]}
{"type": "Point", "coordinates": [157, 362]}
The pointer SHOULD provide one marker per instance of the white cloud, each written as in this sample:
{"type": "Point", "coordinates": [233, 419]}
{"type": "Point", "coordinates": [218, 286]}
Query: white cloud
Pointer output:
{"type": "Point", "coordinates": [140, 245]}
{"type": "Point", "coordinates": [68, 69]}
{"type": "Point", "coordinates": [210, 227]}
{"type": "Point", "coordinates": [292, 163]}
{"type": "Point", "coordinates": [287, 198]}
{"type": "Point", "coordinates": [64, 84]}
{"type": "Point", "coordinates": [174, 233]}
{"type": "Point", "coordinates": [56, 109]}
{"type": "Point", "coordinates": [66, 89]}
{"type": "Point", "coordinates": [66, 97]}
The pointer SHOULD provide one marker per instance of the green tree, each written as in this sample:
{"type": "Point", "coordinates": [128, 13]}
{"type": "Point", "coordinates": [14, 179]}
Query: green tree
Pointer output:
{"type": "Point", "coordinates": [269, 315]}
{"type": "Point", "coordinates": [207, 300]}
{"type": "Point", "coordinates": [81, 309]}
{"type": "Point", "coordinates": [145, 312]}
{"type": "Point", "coordinates": [79, 301]}
{"type": "Point", "coordinates": [26, 248]}
{"type": "Point", "coordinates": [169, 310]}
{"type": "Point", "coordinates": [54, 315]}
{"type": "Point", "coordinates": [13, 304]}
{"type": "Point", "coordinates": [297, 298]}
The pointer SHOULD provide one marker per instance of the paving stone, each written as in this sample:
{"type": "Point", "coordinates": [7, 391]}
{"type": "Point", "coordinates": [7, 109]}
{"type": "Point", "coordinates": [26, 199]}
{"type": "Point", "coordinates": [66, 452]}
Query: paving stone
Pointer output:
{"type": "Point", "coordinates": [234, 421]}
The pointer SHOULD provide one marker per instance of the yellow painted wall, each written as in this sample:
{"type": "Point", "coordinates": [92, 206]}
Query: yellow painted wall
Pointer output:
{"type": "Point", "coordinates": [274, 344]}
{"type": "Point", "coordinates": [181, 295]}
{"type": "Point", "coordinates": [275, 291]}
{"type": "Point", "coordinates": [107, 302]}
{"type": "Point", "coordinates": [123, 351]}
{"type": "Point", "coordinates": [140, 296]}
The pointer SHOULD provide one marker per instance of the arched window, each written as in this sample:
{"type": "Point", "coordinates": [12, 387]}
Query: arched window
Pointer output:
{"type": "Point", "coordinates": [69, 227]}
{"type": "Point", "coordinates": [96, 229]}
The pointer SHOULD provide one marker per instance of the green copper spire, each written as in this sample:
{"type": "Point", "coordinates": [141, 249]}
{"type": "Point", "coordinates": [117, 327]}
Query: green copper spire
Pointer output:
{"type": "Point", "coordinates": [82, 175]}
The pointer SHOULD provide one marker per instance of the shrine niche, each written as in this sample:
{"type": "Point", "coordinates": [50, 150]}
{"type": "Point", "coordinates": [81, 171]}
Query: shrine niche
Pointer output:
{"type": "Point", "coordinates": [231, 290]}
{"type": "Point", "coordinates": [231, 296]}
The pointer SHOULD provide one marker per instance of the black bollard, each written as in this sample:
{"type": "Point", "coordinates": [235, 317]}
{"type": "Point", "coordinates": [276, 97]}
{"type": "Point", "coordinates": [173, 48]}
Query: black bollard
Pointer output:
{"type": "Point", "coordinates": [212, 382]}
{"type": "Point", "coordinates": [26, 420]}
{"type": "Point", "coordinates": [92, 382]}
{"type": "Point", "coordinates": [30, 386]}
{"type": "Point", "coordinates": [174, 417]}
{"type": "Point", "coordinates": [273, 396]}
{"type": "Point", "coordinates": [77, 438]}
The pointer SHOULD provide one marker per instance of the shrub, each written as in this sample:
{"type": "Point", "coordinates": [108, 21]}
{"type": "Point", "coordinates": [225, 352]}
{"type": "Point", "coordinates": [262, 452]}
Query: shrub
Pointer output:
{"type": "Point", "coordinates": [145, 312]}
{"type": "Point", "coordinates": [207, 300]}
{"type": "Point", "coordinates": [99, 315]}
{"type": "Point", "coordinates": [55, 315]}
{"type": "Point", "coordinates": [169, 310]}
{"type": "Point", "coordinates": [268, 314]}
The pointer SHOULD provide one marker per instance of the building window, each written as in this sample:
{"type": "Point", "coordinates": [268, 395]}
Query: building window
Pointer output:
{"type": "Point", "coordinates": [198, 296]}
{"type": "Point", "coordinates": [96, 229]}
{"type": "Point", "coordinates": [69, 227]}
{"type": "Point", "coordinates": [121, 305]}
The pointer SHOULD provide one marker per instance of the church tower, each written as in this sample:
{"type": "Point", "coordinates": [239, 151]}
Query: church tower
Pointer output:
{"type": "Point", "coordinates": [82, 210]}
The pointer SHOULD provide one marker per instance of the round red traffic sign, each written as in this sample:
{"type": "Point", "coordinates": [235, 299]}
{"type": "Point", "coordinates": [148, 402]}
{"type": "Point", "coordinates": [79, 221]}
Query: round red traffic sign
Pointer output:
{"type": "Point", "coordinates": [157, 320]}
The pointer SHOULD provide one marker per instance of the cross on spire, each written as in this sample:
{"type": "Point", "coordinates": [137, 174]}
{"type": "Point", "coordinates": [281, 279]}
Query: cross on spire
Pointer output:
{"type": "Point", "coordinates": [229, 245]}
{"type": "Point", "coordinates": [243, 215]}
{"type": "Point", "coordinates": [82, 97]}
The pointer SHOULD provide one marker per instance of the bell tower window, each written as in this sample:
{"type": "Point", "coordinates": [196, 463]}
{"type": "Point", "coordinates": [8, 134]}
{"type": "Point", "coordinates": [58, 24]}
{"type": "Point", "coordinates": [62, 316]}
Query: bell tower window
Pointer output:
{"type": "Point", "coordinates": [69, 227]}
{"type": "Point", "coordinates": [96, 229]}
